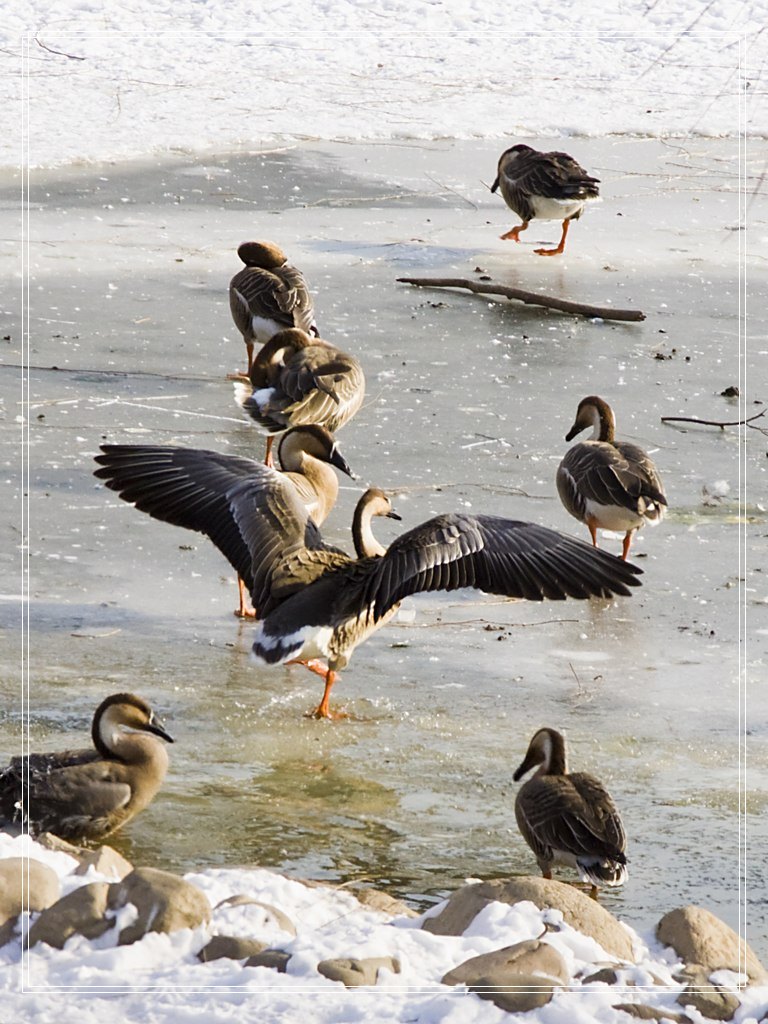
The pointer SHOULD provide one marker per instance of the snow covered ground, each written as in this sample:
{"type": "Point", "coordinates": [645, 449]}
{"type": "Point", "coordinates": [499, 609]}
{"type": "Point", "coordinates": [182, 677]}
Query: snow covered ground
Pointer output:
{"type": "Point", "coordinates": [159, 979]}
{"type": "Point", "coordinates": [139, 78]}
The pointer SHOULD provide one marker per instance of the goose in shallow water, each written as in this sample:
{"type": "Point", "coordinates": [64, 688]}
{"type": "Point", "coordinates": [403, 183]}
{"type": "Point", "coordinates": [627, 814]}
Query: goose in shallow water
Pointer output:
{"type": "Point", "coordinates": [316, 602]}
{"type": "Point", "coordinates": [320, 604]}
{"type": "Point", "coordinates": [567, 818]}
{"type": "Point", "coordinates": [608, 484]}
{"type": "Point", "coordinates": [214, 493]}
{"type": "Point", "coordinates": [295, 379]}
{"type": "Point", "coordinates": [268, 295]}
{"type": "Point", "coordinates": [87, 794]}
{"type": "Point", "coordinates": [547, 186]}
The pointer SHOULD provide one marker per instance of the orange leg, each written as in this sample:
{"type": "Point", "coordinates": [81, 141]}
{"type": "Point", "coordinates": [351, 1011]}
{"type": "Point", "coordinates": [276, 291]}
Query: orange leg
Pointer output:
{"type": "Point", "coordinates": [323, 710]}
{"type": "Point", "coordinates": [547, 874]}
{"type": "Point", "coordinates": [313, 664]}
{"type": "Point", "coordinates": [627, 542]}
{"type": "Point", "coordinates": [592, 527]}
{"type": "Point", "coordinates": [244, 611]}
{"type": "Point", "coordinates": [514, 234]}
{"type": "Point", "coordinates": [593, 892]}
{"type": "Point", "coordinates": [249, 349]}
{"type": "Point", "coordinates": [559, 249]}
{"type": "Point", "coordinates": [268, 459]}
{"type": "Point", "coordinates": [321, 669]}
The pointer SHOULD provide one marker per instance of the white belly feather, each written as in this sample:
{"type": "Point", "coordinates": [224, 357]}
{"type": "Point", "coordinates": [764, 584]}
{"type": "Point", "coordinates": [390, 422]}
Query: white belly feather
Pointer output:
{"type": "Point", "coordinates": [557, 209]}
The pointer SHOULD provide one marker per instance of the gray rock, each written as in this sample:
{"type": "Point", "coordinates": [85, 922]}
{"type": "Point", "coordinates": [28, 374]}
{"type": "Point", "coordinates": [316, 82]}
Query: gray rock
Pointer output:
{"type": "Point", "coordinates": [578, 910]}
{"type": "Point", "coordinates": [231, 948]}
{"type": "Point", "coordinates": [278, 917]}
{"type": "Point", "coordinates": [82, 912]}
{"type": "Point", "coordinates": [530, 991]}
{"type": "Point", "coordinates": [529, 958]}
{"type": "Point", "coordinates": [52, 842]}
{"type": "Point", "coordinates": [375, 899]}
{"type": "Point", "coordinates": [607, 975]}
{"type": "Point", "coordinates": [711, 1000]}
{"type": "Point", "coordinates": [698, 937]}
{"type": "Point", "coordinates": [276, 959]}
{"type": "Point", "coordinates": [610, 974]}
{"type": "Point", "coordinates": [165, 902]}
{"type": "Point", "coordinates": [26, 884]}
{"type": "Point", "coordinates": [643, 1012]}
{"type": "Point", "coordinates": [106, 861]}
{"type": "Point", "coordinates": [357, 972]}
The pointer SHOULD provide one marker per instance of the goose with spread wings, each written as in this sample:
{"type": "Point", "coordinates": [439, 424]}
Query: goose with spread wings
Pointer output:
{"type": "Point", "coordinates": [317, 603]}
{"type": "Point", "coordinates": [200, 489]}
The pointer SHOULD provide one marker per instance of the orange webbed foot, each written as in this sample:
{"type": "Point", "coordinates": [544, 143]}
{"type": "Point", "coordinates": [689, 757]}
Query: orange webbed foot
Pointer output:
{"type": "Point", "coordinates": [514, 233]}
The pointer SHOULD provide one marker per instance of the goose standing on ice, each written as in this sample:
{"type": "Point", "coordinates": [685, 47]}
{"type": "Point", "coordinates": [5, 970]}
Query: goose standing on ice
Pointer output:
{"type": "Point", "coordinates": [268, 295]}
{"type": "Point", "coordinates": [319, 603]}
{"type": "Point", "coordinates": [297, 379]}
{"type": "Point", "coordinates": [546, 186]}
{"type": "Point", "coordinates": [605, 483]}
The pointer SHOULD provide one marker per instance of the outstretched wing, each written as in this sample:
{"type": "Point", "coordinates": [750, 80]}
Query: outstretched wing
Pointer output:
{"type": "Point", "coordinates": [498, 556]}
{"type": "Point", "coordinates": [249, 511]}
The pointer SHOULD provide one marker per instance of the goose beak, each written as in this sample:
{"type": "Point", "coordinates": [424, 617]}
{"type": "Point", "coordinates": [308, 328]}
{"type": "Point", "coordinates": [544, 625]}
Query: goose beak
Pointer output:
{"type": "Point", "coordinates": [495, 185]}
{"type": "Point", "coordinates": [575, 429]}
{"type": "Point", "coordinates": [155, 726]}
{"type": "Point", "coordinates": [393, 515]}
{"type": "Point", "coordinates": [338, 460]}
{"type": "Point", "coordinates": [530, 761]}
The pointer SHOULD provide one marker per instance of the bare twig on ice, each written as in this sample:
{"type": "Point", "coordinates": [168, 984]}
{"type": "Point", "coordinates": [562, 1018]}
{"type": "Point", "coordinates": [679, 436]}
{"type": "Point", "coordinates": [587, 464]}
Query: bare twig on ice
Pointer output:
{"type": "Point", "coordinates": [59, 53]}
{"type": "Point", "coordinates": [531, 298]}
{"type": "Point", "coordinates": [714, 423]}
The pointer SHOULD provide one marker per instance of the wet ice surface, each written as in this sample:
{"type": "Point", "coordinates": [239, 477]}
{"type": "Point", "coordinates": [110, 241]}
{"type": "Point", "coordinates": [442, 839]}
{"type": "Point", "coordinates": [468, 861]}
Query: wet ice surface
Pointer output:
{"type": "Point", "coordinates": [468, 403]}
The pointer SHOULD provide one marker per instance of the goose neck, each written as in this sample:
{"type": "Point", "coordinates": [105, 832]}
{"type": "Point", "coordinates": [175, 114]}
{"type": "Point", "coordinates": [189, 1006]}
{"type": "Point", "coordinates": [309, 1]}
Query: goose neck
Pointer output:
{"type": "Point", "coordinates": [555, 760]}
{"type": "Point", "coordinates": [366, 545]}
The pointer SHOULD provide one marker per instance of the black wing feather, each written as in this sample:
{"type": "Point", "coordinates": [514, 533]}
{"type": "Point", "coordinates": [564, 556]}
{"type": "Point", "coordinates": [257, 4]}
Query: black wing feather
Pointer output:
{"type": "Point", "coordinates": [498, 556]}
{"type": "Point", "coordinates": [244, 507]}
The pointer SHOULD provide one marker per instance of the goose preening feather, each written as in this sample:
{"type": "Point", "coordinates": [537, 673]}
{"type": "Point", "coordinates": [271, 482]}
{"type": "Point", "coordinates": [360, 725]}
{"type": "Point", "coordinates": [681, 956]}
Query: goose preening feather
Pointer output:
{"type": "Point", "coordinates": [268, 295]}
{"type": "Point", "coordinates": [297, 379]}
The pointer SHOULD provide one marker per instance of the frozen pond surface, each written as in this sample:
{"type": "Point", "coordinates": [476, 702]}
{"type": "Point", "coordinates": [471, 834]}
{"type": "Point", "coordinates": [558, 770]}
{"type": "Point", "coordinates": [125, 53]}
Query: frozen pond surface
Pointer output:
{"type": "Point", "coordinates": [468, 404]}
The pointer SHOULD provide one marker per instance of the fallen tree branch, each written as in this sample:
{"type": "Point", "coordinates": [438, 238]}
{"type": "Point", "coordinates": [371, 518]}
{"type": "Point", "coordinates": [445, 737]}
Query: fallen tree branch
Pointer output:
{"type": "Point", "coordinates": [531, 298]}
{"type": "Point", "coordinates": [713, 423]}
